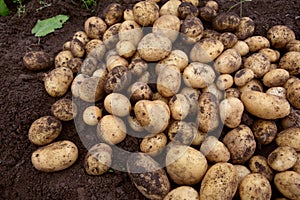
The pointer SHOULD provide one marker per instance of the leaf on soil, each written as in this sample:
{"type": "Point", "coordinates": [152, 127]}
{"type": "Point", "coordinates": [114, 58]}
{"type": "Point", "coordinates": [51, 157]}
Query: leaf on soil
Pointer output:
{"type": "Point", "coordinates": [3, 8]}
{"type": "Point", "coordinates": [44, 27]}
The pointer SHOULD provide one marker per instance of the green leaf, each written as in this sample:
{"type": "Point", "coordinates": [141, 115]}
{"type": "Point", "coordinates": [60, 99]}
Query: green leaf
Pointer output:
{"type": "Point", "coordinates": [44, 27]}
{"type": "Point", "coordinates": [3, 8]}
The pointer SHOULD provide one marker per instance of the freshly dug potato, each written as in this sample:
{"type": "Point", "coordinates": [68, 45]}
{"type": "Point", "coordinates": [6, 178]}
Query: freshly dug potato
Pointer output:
{"type": "Point", "coordinates": [187, 8]}
{"type": "Point", "coordinates": [256, 43]}
{"type": "Point", "coordinates": [232, 92]}
{"type": "Point", "coordinates": [226, 22]}
{"type": "Point", "coordinates": [167, 25]}
{"type": "Point", "coordinates": [130, 31]}
{"type": "Point", "coordinates": [113, 13]}
{"type": "Point", "coordinates": [145, 12]}
{"type": "Point", "coordinates": [258, 63]}
{"type": "Point", "coordinates": [253, 85]}
{"type": "Point", "coordinates": [277, 91]}
{"type": "Point", "coordinates": [125, 48]}
{"type": "Point", "coordinates": [76, 84]}
{"type": "Point", "coordinates": [288, 184]}
{"type": "Point", "coordinates": [75, 64]}
{"type": "Point", "coordinates": [276, 77]}
{"type": "Point", "coordinates": [231, 111]}
{"type": "Point", "coordinates": [95, 27]}
{"type": "Point", "coordinates": [179, 106]}
{"type": "Point", "coordinates": [169, 81]}
{"type": "Point", "coordinates": [194, 2]}
{"type": "Point", "coordinates": [272, 54]}
{"type": "Point", "coordinates": [265, 106]}
{"type": "Point", "coordinates": [176, 58]}
{"type": "Point", "coordinates": [90, 65]}
{"type": "Point", "coordinates": [44, 130]}
{"type": "Point", "coordinates": [293, 45]}
{"type": "Point", "coordinates": [245, 28]}
{"type": "Point", "coordinates": [228, 62]}
{"type": "Point", "coordinates": [206, 50]}
{"type": "Point", "coordinates": [170, 8]}
{"type": "Point", "coordinates": [192, 95]}
{"type": "Point", "coordinates": [282, 158]}
{"type": "Point", "coordinates": [181, 132]}
{"type": "Point", "coordinates": [228, 39]}
{"type": "Point", "coordinates": [64, 109]}
{"type": "Point", "coordinates": [255, 186]}
{"type": "Point", "coordinates": [91, 115]}
{"type": "Point", "coordinates": [214, 150]}
{"type": "Point", "coordinates": [209, 33]}
{"type": "Point", "coordinates": [224, 81]}
{"type": "Point", "coordinates": [191, 29]}
{"type": "Point", "coordinates": [77, 48]}
{"type": "Point", "coordinates": [95, 48]}
{"type": "Point", "coordinates": [289, 137]}
{"type": "Point", "coordinates": [116, 61]}
{"type": "Point", "coordinates": [148, 176]}
{"type": "Point", "coordinates": [98, 159]}
{"type": "Point", "coordinates": [37, 60]}
{"type": "Point", "coordinates": [243, 76]}
{"type": "Point", "coordinates": [293, 94]}
{"type": "Point", "coordinates": [259, 164]}
{"type": "Point", "coordinates": [185, 165]}
{"type": "Point", "coordinates": [138, 67]}
{"type": "Point", "coordinates": [101, 73]}
{"type": "Point", "coordinates": [117, 79]}
{"type": "Point", "coordinates": [240, 143]}
{"type": "Point", "coordinates": [220, 182]}
{"type": "Point", "coordinates": [181, 193]}
{"type": "Point", "coordinates": [134, 124]}
{"type": "Point", "coordinates": [242, 172]}
{"type": "Point", "coordinates": [280, 35]}
{"type": "Point", "coordinates": [242, 47]}
{"type": "Point", "coordinates": [212, 88]}
{"type": "Point", "coordinates": [154, 145]}
{"type": "Point", "coordinates": [207, 13]}
{"type": "Point", "coordinates": [264, 131]}
{"type": "Point", "coordinates": [91, 89]}
{"type": "Point", "coordinates": [290, 81]}
{"type": "Point", "coordinates": [55, 156]}
{"type": "Point", "coordinates": [139, 91]}
{"type": "Point", "coordinates": [212, 4]}
{"type": "Point", "coordinates": [58, 81]}
{"type": "Point", "coordinates": [81, 36]}
{"type": "Point", "coordinates": [296, 167]}
{"type": "Point", "coordinates": [110, 36]}
{"type": "Point", "coordinates": [66, 46]}
{"type": "Point", "coordinates": [117, 104]}
{"type": "Point", "coordinates": [111, 129]}
{"type": "Point", "coordinates": [62, 58]}
{"type": "Point", "coordinates": [292, 120]}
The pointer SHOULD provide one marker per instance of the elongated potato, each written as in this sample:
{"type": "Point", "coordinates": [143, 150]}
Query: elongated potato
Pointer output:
{"type": "Point", "coordinates": [288, 184]}
{"type": "Point", "coordinates": [37, 60]}
{"type": "Point", "coordinates": [226, 22]}
{"type": "Point", "coordinates": [276, 77]}
{"type": "Point", "coordinates": [293, 94]}
{"type": "Point", "coordinates": [289, 137]}
{"type": "Point", "coordinates": [257, 43]}
{"type": "Point", "coordinates": [228, 62]}
{"type": "Point", "coordinates": [231, 111]}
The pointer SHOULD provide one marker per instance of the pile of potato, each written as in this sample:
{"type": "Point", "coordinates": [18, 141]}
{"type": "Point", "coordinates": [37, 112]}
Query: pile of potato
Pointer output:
{"type": "Point", "coordinates": [195, 83]}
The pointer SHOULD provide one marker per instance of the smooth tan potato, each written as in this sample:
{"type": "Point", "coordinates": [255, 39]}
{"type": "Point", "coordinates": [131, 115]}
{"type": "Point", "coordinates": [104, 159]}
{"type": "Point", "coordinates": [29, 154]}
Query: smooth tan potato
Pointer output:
{"type": "Point", "coordinates": [228, 62]}
{"type": "Point", "coordinates": [253, 85]}
{"type": "Point", "coordinates": [289, 137]}
{"type": "Point", "coordinates": [242, 172]}
{"type": "Point", "coordinates": [240, 143]}
{"type": "Point", "coordinates": [255, 186]}
{"type": "Point", "coordinates": [98, 159]}
{"type": "Point", "coordinates": [110, 36]}
{"type": "Point", "coordinates": [256, 43]}
{"type": "Point", "coordinates": [241, 47]}
{"type": "Point", "coordinates": [220, 182]}
{"type": "Point", "coordinates": [125, 48]}
{"type": "Point", "coordinates": [214, 150]}
{"type": "Point", "coordinates": [170, 8]}
{"type": "Point", "coordinates": [245, 28]}
{"type": "Point", "coordinates": [185, 165]}
{"type": "Point", "coordinates": [265, 106]}
{"type": "Point", "coordinates": [169, 81]}
{"type": "Point", "coordinates": [64, 109]}
{"type": "Point", "coordinates": [167, 25]}
{"type": "Point", "coordinates": [113, 13]}
{"type": "Point", "coordinates": [76, 84]}
{"type": "Point", "coordinates": [145, 12]}
{"type": "Point", "coordinates": [243, 76]}
{"type": "Point", "coordinates": [264, 131]}
{"type": "Point", "coordinates": [139, 91]}
{"type": "Point", "coordinates": [176, 58]}
{"type": "Point", "coordinates": [259, 164]}
{"type": "Point", "coordinates": [224, 81]}
{"type": "Point", "coordinates": [280, 35]}
{"type": "Point", "coordinates": [292, 120]}
{"type": "Point", "coordinates": [154, 145]}
{"type": "Point", "coordinates": [117, 79]}
{"type": "Point", "coordinates": [191, 29]}
{"type": "Point", "coordinates": [131, 31]}
{"type": "Point", "coordinates": [207, 13]}
{"type": "Point", "coordinates": [272, 54]}
{"type": "Point", "coordinates": [277, 91]}
{"type": "Point", "coordinates": [231, 111]}
{"type": "Point", "coordinates": [293, 45]}
{"type": "Point", "coordinates": [62, 58]}
{"type": "Point", "coordinates": [55, 156]}
{"type": "Point", "coordinates": [37, 60]}
{"type": "Point", "coordinates": [293, 94]}
{"type": "Point", "coordinates": [282, 158]}
{"type": "Point", "coordinates": [66, 46]}
{"type": "Point", "coordinates": [91, 115]}
{"type": "Point", "coordinates": [75, 64]}
{"type": "Point", "coordinates": [179, 106]}
{"type": "Point", "coordinates": [226, 22]}
{"type": "Point", "coordinates": [128, 14]}
{"type": "Point", "coordinates": [228, 39]}
{"type": "Point", "coordinates": [117, 104]}
{"type": "Point", "coordinates": [77, 48]}
{"type": "Point", "coordinates": [258, 63]}
{"type": "Point", "coordinates": [95, 48]}
{"type": "Point", "coordinates": [91, 89]}
{"type": "Point", "coordinates": [181, 193]}
{"type": "Point", "coordinates": [95, 27]}
{"type": "Point", "coordinates": [181, 132]}
{"type": "Point", "coordinates": [276, 77]}
{"type": "Point", "coordinates": [288, 184]}
{"type": "Point", "coordinates": [212, 88]}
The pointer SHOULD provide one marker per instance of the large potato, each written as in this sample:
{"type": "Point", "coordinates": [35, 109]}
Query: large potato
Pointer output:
{"type": "Point", "coordinates": [293, 94]}
{"type": "Point", "coordinates": [280, 35]}
{"type": "Point", "coordinates": [245, 28]}
{"type": "Point", "coordinates": [55, 156]}
{"type": "Point", "coordinates": [37, 60]}
{"type": "Point", "coordinates": [168, 81]}
{"type": "Point", "coordinates": [258, 63]}
{"type": "Point", "coordinates": [145, 12]}
{"type": "Point", "coordinates": [181, 193]}
{"type": "Point", "coordinates": [228, 62]}
{"type": "Point", "coordinates": [231, 111]}
{"type": "Point", "coordinates": [95, 27]}
{"type": "Point", "coordinates": [288, 184]}
{"type": "Point", "coordinates": [214, 150]}
{"type": "Point", "coordinates": [113, 13]}
{"type": "Point", "coordinates": [282, 158]}
{"type": "Point", "coordinates": [276, 77]}
{"type": "Point", "coordinates": [226, 22]}
{"type": "Point", "coordinates": [167, 25]}
{"type": "Point", "coordinates": [289, 137]}
{"type": "Point", "coordinates": [170, 8]}
{"type": "Point", "coordinates": [117, 104]}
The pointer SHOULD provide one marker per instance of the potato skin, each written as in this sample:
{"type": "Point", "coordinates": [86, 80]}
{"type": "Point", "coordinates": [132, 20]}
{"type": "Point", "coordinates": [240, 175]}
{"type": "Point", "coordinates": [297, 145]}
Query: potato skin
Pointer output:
{"type": "Point", "coordinates": [117, 79]}
{"type": "Point", "coordinates": [169, 81]}
{"type": "Point", "coordinates": [91, 89]}
{"type": "Point", "coordinates": [282, 158]}
{"type": "Point", "coordinates": [168, 25]}
{"type": "Point", "coordinates": [91, 115]}
{"type": "Point", "coordinates": [55, 156]}
{"type": "Point", "coordinates": [231, 111]}
{"type": "Point", "coordinates": [226, 22]}
{"type": "Point", "coordinates": [170, 8]}
{"type": "Point", "coordinates": [257, 43]}
{"type": "Point", "coordinates": [154, 145]}
{"type": "Point", "coordinates": [214, 150]}
{"type": "Point", "coordinates": [228, 62]}
{"type": "Point", "coordinates": [64, 109]}
{"type": "Point", "coordinates": [259, 164]}
{"type": "Point", "coordinates": [288, 184]}
{"type": "Point", "coordinates": [181, 193]}
{"type": "Point", "coordinates": [117, 104]}
{"type": "Point", "coordinates": [145, 12]}
{"type": "Point", "coordinates": [191, 29]}
{"type": "Point", "coordinates": [113, 13]}
{"type": "Point", "coordinates": [95, 27]}
{"type": "Point", "coordinates": [276, 77]}
{"type": "Point", "coordinates": [289, 137]}
{"type": "Point", "coordinates": [293, 94]}
{"type": "Point", "coordinates": [37, 60]}
{"type": "Point", "coordinates": [264, 131]}
{"type": "Point", "coordinates": [258, 63]}
{"type": "Point", "coordinates": [290, 62]}
{"type": "Point", "coordinates": [245, 28]}
{"type": "Point", "coordinates": [280, 35]}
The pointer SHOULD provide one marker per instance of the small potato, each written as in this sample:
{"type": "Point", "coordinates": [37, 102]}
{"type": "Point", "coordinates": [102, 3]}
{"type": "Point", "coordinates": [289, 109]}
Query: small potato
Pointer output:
{"type": "Point", "coordinates": [277, 91]}
{"type": "Point", "coordinates": [179, 106]}
{"type": "Point", "coordinates": [208, 33]}
{"type": "Point", "coordinates": [64, 109]}
{"type": "Point", "coordinates": [115, 61]}
{"type": "Point", "coordinates": [81, 36]}
{"type": "Point", "coordinates": [44, 130]}
{"type": "Point", "coordinates": [181, 132]}
{"type": "Point", "coordinates": [231, 111]}
{"type": "Point", "coordinates": [240, 143]}
{"type": "Point", "coordinates": [66, 46]}
{"type": "Point", "coordinates": [95, 27]}
{"type": "Point", "coordinates": [90, 65]}
{"type": "Point", "coordinates": [253, 85]}
{"type": "Point", "coordinates": [169, 81]}
{"type": "Point", "coordinates": [292, 120]}
{"type": "Point", "coordinates": [75, 64]}
{"type": "Point", "coordinates": [191, 30]}
{"type": "Point", "coordinates": [224, 81]}
{"type": "Point", "coordinates": [154, 145]}
{"type": "Point", "coordinates": [214, 150]}
{"type": "Point", "coordinates": [130, 31]}
{"type": "Point", "coordinates": [245, 28]}
{"type": "Point", "coordinates": [243, 76]}
{"type": "Point", "coordinates": [91, 115]}
{"type": "Point", "coordinates": [228, 62]}
{"type": "Point", "coordinates": [241, 47]}
{"type": "Point", "coordinates": [282, 158]}
{"type": "Point", "coordinates": [199, 136]}
{"type": "Point", "coordinates": [258, 63]}
{"type": "Point", "coordinates": [242, 172]}
{"type": "Point", "coordinates": [139, 91]}
{"type": "Point", "coordinates": [265, 106]}
{"type": "Point", "coordinates": [145, 12]}
{"type": "Point", "coordinates": [176, 58]}
{"type": "Point", "coordinates": [185, 165]}
{"type": "Point", "coordinates": [290, 81]}
{"type": "Point", "coordinates": [91, 89]}
{"type": "Point", "coordinates": [289, 137]}
{"type": "Point", "coordinates": [55, 156]}
{"type": "Point", "coordinates": [167, 25]}
{"type": "Point", "coordinates": [128, 14]}
{"type": "Point", "coordinates": [255, 186]}
{"type": "Point", "coordinates": [117, 79]}
{"type": "Point", "coordinates": [62, 58]}
{"type": "Point", "coordinates": [125, 48]}
{"type": "Point", "coordinates": [293, 94]}
{"type": "Point", "coordinates": [228, 39]}
{"type": "Point", "coordinates": [37, 60]}
{"type": "Point", "coordinates": [288, 184]}
{"type": "Point", "coordinates": [257, 43]}
{"type": "Point", "coordinates": [117, 104]}
{"type": "Point", "coordinates": [264, 131]}
{"type": "Point", "coordinates": [232, 92]}
{"type": "Point", "coordinates": [111, 129]}
{"type": "Point", "coordinates": [206, 50]}
{"type": "Point", "coordinates": [181, 193]}
{"type": "Point", "coordinates": [207, 13]}
{"type": "Point", "coordinates": [110, 36]}
{"type": "Point", "coordinates": [170, 8]}
{"type": "Point", "coordinates": [276, 77]}
{"type": "Point", "coordinates": [95, 48]}
{"type": "Point", "coordinates": [76, 84]}
{"type": "Point", "coordinates": [98, 159]}
{"type": "Point", "coordinates": [293, 45]}
{"type": "Point", "coordinates": [187, 8]}
{"type": "Point", "coordinates": [113, 13]}
{"type": "Point", "coordinates": [57, 81]}
{"type": "Point", "coordinates": [138, 67]}
{"type": "Point", "coordinates": [220, 182]}
{"type": "Point", "coordinates": [259, 164]}
{"type": "Point", "coordinates": [280, 35]}
{"type": "Point", "coordinates": [272, 54]}
{"type": "Point", "coordinates": [77, 48]}
{"type": "Point", "coordinates": [226, 22]}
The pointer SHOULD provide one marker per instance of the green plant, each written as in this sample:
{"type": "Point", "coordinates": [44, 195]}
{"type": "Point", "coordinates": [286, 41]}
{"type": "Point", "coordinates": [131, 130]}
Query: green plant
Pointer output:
{"type": "Point", "coordinates": [3, 8]}
{"type": "Point", "coordinates": [240, 3]}
{"type": "Point", "coordinates": [43, 5]}
{"type": "Point", "coordinates": [21, 9]}
{"type": "Point", "coordinates": [88, 4]}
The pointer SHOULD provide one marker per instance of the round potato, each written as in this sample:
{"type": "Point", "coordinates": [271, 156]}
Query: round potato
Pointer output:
{"type": "Point", "coordinates": [117, 79]}
{"type": "Point", "coordinates": [231, 111]}
{"type": "Point", "coordinates": [90, 65]}
{"type": "Point", "coordinates": [228, 62]}
{"type": "Point", "coordinates": [272, 54]}
{"type": "Point", "coordinates": [117, 104]}
{"type": "Point", "coordinates": [293, 45]}
{"type": "Point", "coordinates": [181, 193]}
{"type": "Point", "coordinates": [138, 67]}
{"type": "Point", "coordinates": [276, 77]}
{"type": "Point", "coordinates": [170, 8]}
{"type": "Point", "coordinates": [76, 84]}
{"type": "Point", "coordinates": [176, 58]}
{"type": "Point", "coordinates": [77, 48]}
{"type": "Point", "coordinates": [167, 25]}
{"type": "Point", "coordinates": [179, 106]}
{"type": "Point", "coordinates": [181, 132]}
{"type": "Point", "coordinates": [37, 60]}
{"type": "Point", "coordinates": [280, 35]}
{"type": "Point", "coordinates": [226, 22]}
{"type": "Point", "coordinates": [212, 4]}
{"type": "Point", "coordinates": [110, 36]}
{"type": "Point", "coordinates": [242, 47]}
{"type": "Point", "coordinates": [91, 89]}
{"type": "Point", "coordinates": [154, 145]}
{"type": "Point", "coordinates": [191, 30]}
{"type": "Point", "coordinates": [243, 76]}
{"type": "Point", "coordinates": [130, 31]}
{"type": "Point", "coordinates": [62, 58]}
{"type": "Point", "coordinates": [75, 64]}
{"type": "Point", "coordinates": [187, 8]}
{"type": "Point", "coordinates": [95, 48]}
{"type": "Point", "coordinates": [224, 81]}
{"type": "Point", "coordinates": [292, 120]}
{"type": "Point", "coordinates": [81, 36]}
{"type": "Point", "coordinates": [259, 164]}
{"type": "Point", "coordinates": [264, 131]}
{"type": "Point", "coordinates": [113, 13]}
{"type": "Point", "coordinates": [169, 81]}
{"type": "Point", "coordinates": [242, 172]}
{"type": "Point", "coordinates": [228, 39]}
{"type": "Point", "coordinates": [64, 109]}
{"type": "Point", "coordinates": [232, 92]}
{"type": "Point", "coordinates": [258, 63]}
{"type": "Point", "coordinates": [145, 12]}
{"type": "Point", "coordinates": [95, 27]}
{"type": "Point", "coordinates": [91, 115]}
{"type": "Point", "coordinates": [289, 137]}
{"type": "Point", "coordinates": [139, 91]}
{"type": "Point", "coordinates": [282, 158]}
{"type": "Point", "coordinates": [256, 43]}
{"type": "Point", "coordinates": [253, 85]}
{"type": "Point", "coordinates": [288, 184]}
{"type": "Point", "coordinates": [207, 13]}
{"type": "Point", "coordinates": [245, 28]}
{"type": "Point", "coordinates": [125, 48]}
{"type": "Point", "coordinates": [214, 150]}
{"type": "Point", "coordinates": [293, 94]}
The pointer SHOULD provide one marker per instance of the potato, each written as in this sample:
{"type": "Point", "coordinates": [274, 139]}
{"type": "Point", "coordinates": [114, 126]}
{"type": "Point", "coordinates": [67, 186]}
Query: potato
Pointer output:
{"type": "Point", "coordinates": [81, 36]}
{"type": "Point", "coordinates": [224, 81]}
{"type": "Point", "coordinates": [181, 132]}
{"type": "Point", "coordinates": [158, 96]}
{"type": "Point", "coordinates": [231, 111]}
{"type": "Point", "coordinates": [212, 4]}
{"type": "Point", "coordinates": [289, 137]}
{"type": "Point", "coordinates": [187, 8]}
{"type": "Point", "coordinates": [272, 54]}
{"type": "Point", "coordinates": [145, 12]}
{"type": "Point", "coordinates": [134, 124]}
{"type": "Point", "coordinates": [125, 49]}
{"type": "Point", "coordinates": [258, 63]}
{"type": "Point", "coordinates": [117, 104]}
{"type": "Point", "coordinates": [256, 43]}
{"type": "Point", "coordinates": [293, 94]}
{"type": "Point", "coordinates": [194, 2]}
{"type": "Point", "coordinates": [228, 62]}
{"type": "Point", "coordinates": [208, 33]}
{"type": "Point", "coordinates": [293, 45]}
{"type": "Point", "coordinates": [277, 91]}
{"type": "Point", "coordinates": [176, 58]}
{"type": "Point", "coordinates": [138, 67]}
{"type": "Point", "coordinates": [296, 167]}
{"type": "Point", "coordinates": [232, 92]}
{"type": "Point", "coordinates": [282, 158]}
{"type": "Point", "coordinates": [154, 145]}
{"type": "Point", "coordinates": [148, 176]}
{"type": "Point", "coordinates": [110, 36]}
{"type": "Point", "coordinates": [292, 120]}
{"type": "Point", "coordinates": [191, 30]}
{"type": "Point", "coordinates": [75, 64]}
{"type": "Point", "coordinates": [214, 150]}
{"type": "Point", "coordinates": [170, 8]}
{"type": "Point", "coordinates": [117, 79]}
{"type": "Point", "coordinates": [290, 81]}
{"type": "Point", "coordinates": [220, 182]}
{"type": "Point", "coordinates": [55, 156]}
{"type": "Point", "coordinates": [64, 109]}
{"type": "Point", "coordinates": [192, 95]}
{"type": "Point", "coordinates": [259, 164]}
{"type": "Point", "coordinates": [111, 129]}
{"type": "Point", "coordinates": [44, 130]}
{"type": "Point", "coordinates": [264, 131]}
{"type": "Point", "coordinates": [62, 58]}
{"type": "Point", "coordinates": [116, 61]}
{"type": "Point", "coordinates": [130, 31]}
{"type": "Point", "coordinates": [243, 76]}
{"type": "Point", "coordinates": [206, 50]}
{"type": "Point", "coordinates": [253, 85]}
{"type": "Point", "coordinates": [185, 165]}
{"type": "Point", "coordinates": [91, 115]}
{"type": "Point", "coordinates": [226, 22]}
{"type": "Point", "coordinates": [241, 47]}
{"type": "Point", "coordinates": [98, 159]}
{"type": "Point", "coordinates": [101, 73]}
{"type": "Point", "coordinates": [255, 186]}
{"type": "Point", "coordinates": [169, 81]}
{"type": "Point", "coordinates": [280, 35]}
{"type": "Point", "coordinates": [77, 48]}
{"type": "Point", "coordinates": [288, 184]}
{"type": "Point", "coordinates": [181, 193]}
{"type": "Point", "coordinates": [113, 13]}
{"type": "Point", "coordinates": [242, 172]}
{"type": "Point", "coordinates": [91, 89]}
{"type": "Point", "coordinates": [228, 39]}
{"type": "Point", "coordinates": [265, 106]}
{"type": "Point", "coordinates": [154, 47]}
{"type": "Point", "coordinates": [139, 91]}
{"type": "Point", "coordinates": [167, 25]}
{"type": "Point", "coordinates": [276, 77]}
{"type": "Point", "coordinates": [207, 13]}
{"type": "Point", "coordinates": [76, 84]}
{"type": "Point", "coordinates": [198, 75]}
{"type": "Point", "coordinates": [240, 143]}
{"type": "Point", "coordinates": [95, 27]}
{"type": "Point", "coordinates": [212, 88]}
{"type": "Point", "coordinates": [58, 81]}
{"type": "Point", "coordinates": [245, 28]}
{"type": "Point", "coordinates": [90, 65]}
{"type": "Point", "coordinates": [67, 46]}
{"type": "Point", "coordinates": [128, 14]}
{"type": "Point", "coordinates": [37, 60]}
{"type": "Point", "coordinates": [179, 106]}
{"type": "Point", "coordinates": [95, 48]}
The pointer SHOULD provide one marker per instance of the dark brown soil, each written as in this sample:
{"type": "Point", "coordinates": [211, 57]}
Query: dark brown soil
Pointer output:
{"type": "Point", "coordinates": [23, 100]}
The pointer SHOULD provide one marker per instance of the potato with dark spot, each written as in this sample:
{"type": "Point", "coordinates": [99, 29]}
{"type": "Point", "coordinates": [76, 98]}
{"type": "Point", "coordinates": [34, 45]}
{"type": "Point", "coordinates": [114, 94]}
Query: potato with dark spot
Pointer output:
{"type": "Point", "coordinates": [280, 35]}
{"type": "Point", "coordinates": [113, 13]}
{"type": "Point", "coordinates": [289, 137]}
{"type": "Point", "coordinates": [228, 39]}
{"type": "Point", "coordinates": [114, 61]}
{"type": "Point", "coordinates": [138, 67]}
{"type": "Point", "coordinates": [81, 36]}
{"type": "Point", "coordinates": [130, 31]}
{"type": "Point", "coordinates": [207, 13]}
{"type": "Point", "coordinates": [293, 94]}
{"type": "Point", "coordinates": [145, 12]}
{"type": "Point", "coordinates": [90, 65]}
{"type": "Point", "coordinates": [191, 30]}
{"type": "Point", "coordinates": [290, 62]}
{"type": "Point", "coordinates": [276, 77]}
{"type": "Point", "coordinates": [224, 81]}
{"type": "Point", "coordinates": [212, 4]}
{"type": "Point", "coordinates": [231, 111]}
{"type": "Point", "coordinates": [292, 120]}
{"type": "Point", "coordinates": [226, 22]}
{"type": "Point", "coordinates": [181, 132]}
{"type": "Point", "coordinates": [134, 124]}
{"type": "Point", "coordinates": [252, 85]}
{"type": "Point", "coordinates": [264, 131]}
{"type": "Point", "coordinates": [259, 164]}
{"type": "Point", "coordinates": [256, 43]}
{"type": "Point", "coordinates": [91, 89]}
{"type": "Point", "coordinates": [62, 58]}
{"type": "Point", "coordinates": [282, 158]}
{"type": "Point", "coordinates": [296, 167]}
{"type": "Point", "coordinates": [245, 28]}
{"type": "Point", "coordinates": [293, 45]}
{"type": "Point", "coordinates": [77, 48]}
{"type": "Point", "coordinates": [242, 47]}
{"type": "Point", "coordinates": [258, 63]}
{"type": "Point", "coordinates": [214, 150]}
{"type": "Point", "coordinates": [169, 81]}
{"type": "Point", "coordinates": [232, 92]}
{"type": "Point", "coordinates": [110, 36]}
{"type": "Point", "coordinates": [167, 25]}
{"type": "Point", "coordinates": [187, 8]}
{"type": "Point", "coordinates": [64, 109]}
{"type": "Point", "coordinates": [179, 106]}
{"type": "Point", "coordinates": [91, 115]}
{"type": "Point", "coordinates": [228, 62]}
{"type": "Point", "coordinates": [117, 79]}
{"type": "Point", "coordinates": [243, 76]}
{"type": "Point", "coordinates": [272, 54]}
{"type": "Point", "coordinates": [37, 60]}
{"type": "Point", "coordinates": [170, 8]}
{"type": "Point", "coordinates": [288, 184]}
{"type": "Point", "coordinates": [154, 145]}
{"type": "Point", "coordinates": [176, 58]}
{"type": "Point", "coordinates": [277, 91]}
{"type": "Point", "coordinates": [76, 84]}
{"type": "Point", "coordinates": [75, 64]}
{"type": "Point", "coordinates": [95, 27]}
{"type": "Point", "coordinates": [95, 48]}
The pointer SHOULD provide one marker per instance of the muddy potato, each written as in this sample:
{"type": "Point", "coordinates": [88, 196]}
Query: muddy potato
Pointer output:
{"type": "Point", "coordinates": [117, 104]}
{"type": "Point", "coordinates": [37, 60]}
{"type": "Point", "coordinates": [91, 89]}
{"type": "Point", "coordinates": [130, 31]}
{"type": "Point", "coordinates": [277, 91]}
{"type": "Point", "coordinates": [232, 92]}
{"type": "Point", "coordinates": [181, 193]}
{"type": "Point", "coordinates": [296, 167]}
{"type": "Point", "coordinates": [282, 158]}
{"type": "Point", "coordinates": [185, 165]}
{"type": "Point", "coordinates": [253, 85]}
{"type": "Point", "coordinates": [95, 27]}
{"type": "Point", "coordinates": [292, 120]}
{"type": "Point", "coordinates": [75, 64]}
{"type": "Point", "coordinates": [276, 77]}
{"type": "Point", "coordinates": [66, 46]}
{"type": "Point", "coordinates": [194, 2]}
{"type": "Point", "coordinates": [289, 137]}
{"type": "Point", "coordinates": [255, 186]}
{"type": "Point", "coordinates": [148, 176]}
{"type": "Point", "coordinates": [208, 33]}
{"type": "Point", "coordinates": [240, 143]}
{"type": "Point", "coordinates": [199, 136]}
{"type": "Point", "coordinates": [226, 22]}
{"type": "Point", "coordinates": [212, 4]}
{"type": "Point", "coordinates": [212, 88]}
{"type": "Point", "coordinates": [242, 172]}
{"type": "Point", "coordinates": [113, 13]}
{"type": "Point", "coordinates": [245, 28]}
{"type": "Point", "coordinates": [243, 76]}
{"type": "Point", "coordinates": [290, 81]}
{"type": "Point", "coordinates": [170, 8]}
{"type": "Point", "coordinates": [145, 12]}
{"type": "Point", "coordinates": [264, 131]}
{"type": "Point", "coordinates": [110, 36]}
{"type": "Point", "coordinates": [258, 63]}
{"type": "Point", "coordinates": [187, 8]}
{"type": "Point", "coordinates": [206, 50]}
{"type": "Point", "coordinates": [81, 36]}
{"type": "Point", "coordinates": [179, 106]}
{"type": "Point", "coordinates": [228, 62]}
{"type": "Point", "coordinates": [125, 49]}
{"type": "Point", "coordinates": [176, 58]}
{"type": "Point", "coordinates": [101, 73]}
{"type": "Point", "coordinates": [117, 79]}
{"type": "Point", "coordinates": [192, 95]}
{"type": "Point", "coordinates": [231, 111]}
{"type": "Point", "coordinates": [154, 145]}
{"type": "Point", "coordinates": [256, 43]}
{"type": "Point", "coordinates": [169, 81]}
{"type": "Point", "coordinates": [167, 25]}
{"type": "Point", "coordinates": [77, 48]}
{"type": "Point", "coordinates": [191, 30]}
{"type": "Point", "coordinates": [139, 91]}
{"type": "Point", "coordinates": [220, 182]}
{"type": "Point", "coordinates": [293, 45]}
{"type": "Point", "coordinates": [265, 106]}
{"type": "Point", "coordinates": [293, 94]}
{"type": "Point", "coordinates": [114, 61]}
{"type": "Point", "coordinates": [64, 109]}
{"type": "Point", "coordinates": [95, 48]}
{"type": "Point", "coordinates": [158, 96]}
{"type": "Point", "coordinates": [91, 115]}
{"type": "Point", "coordinates": [272, 54]}
{"type": "Point", "coordinates": [288, 184]}
{"type": "Point", "coordinates": [134, 124]}
{"type": "Point", "coordinates": [280, 35]}
{"type": "Point", "coordinates": [228, 39]}
{"type": "Point", "coordinates": [138, 67]}
{"type": "Point", "coordinates": [214, 150]}
{"type": "Point", "coordinates": [259, 164]}
{"type": "Point", "coordinates": [207, 13]}
{"type": "Point", "coordinates": [241, 47]}
{"type": "Point", "coordinates": [89, 65]}
{"type": "Point", "coordinates": [62, 58]}
{"type": "Point", "coordinates": [181, 132]}
{"type": "Point", "coordinates": [76, 84]}
{"type": "Point", "coordinates": [58, 81]}
{"type": "Point", "coordinates": [55, 156]}
{"type": "Point", "coordinates": [224, 81]}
